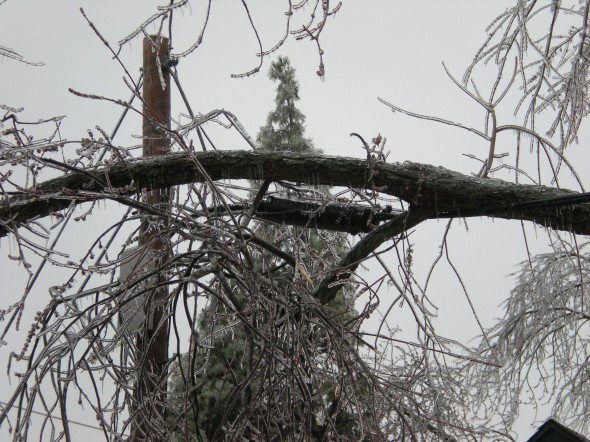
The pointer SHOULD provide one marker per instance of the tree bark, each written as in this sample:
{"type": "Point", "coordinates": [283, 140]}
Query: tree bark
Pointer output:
{"type": "Point", "coordinates": [436, 190]}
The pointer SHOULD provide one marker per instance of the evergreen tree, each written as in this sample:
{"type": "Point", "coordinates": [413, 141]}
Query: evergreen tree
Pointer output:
{"type": "Point", "coordinates": [219, 394]}
{"type": "Point", "coordinates": [285, 124]}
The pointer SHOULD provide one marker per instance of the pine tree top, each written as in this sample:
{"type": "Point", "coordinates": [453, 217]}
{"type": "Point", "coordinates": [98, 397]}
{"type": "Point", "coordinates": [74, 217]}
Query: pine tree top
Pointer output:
{"type": "Point", "coordinates": [285, 124]}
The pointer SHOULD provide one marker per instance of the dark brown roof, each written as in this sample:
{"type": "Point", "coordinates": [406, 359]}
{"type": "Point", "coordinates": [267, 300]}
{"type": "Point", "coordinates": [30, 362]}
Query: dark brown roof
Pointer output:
{"type": "Point", "coordinates": [553, 431]}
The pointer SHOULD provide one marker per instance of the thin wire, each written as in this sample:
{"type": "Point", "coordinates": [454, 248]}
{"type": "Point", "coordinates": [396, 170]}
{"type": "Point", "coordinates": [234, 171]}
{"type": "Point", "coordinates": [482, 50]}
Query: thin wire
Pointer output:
{"type": "Point", "coordinates": [200, 131]}
{"type": "Point", "coordinates": [123, 115]}
{"type": "Point", "coordinates": [174, 74]}
{"type": "Point", "coordinates": [560, 201]}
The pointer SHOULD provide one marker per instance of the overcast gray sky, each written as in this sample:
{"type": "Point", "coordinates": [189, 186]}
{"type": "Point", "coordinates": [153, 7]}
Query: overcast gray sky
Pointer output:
{"type": "Point", "coordinates": [390, 49]}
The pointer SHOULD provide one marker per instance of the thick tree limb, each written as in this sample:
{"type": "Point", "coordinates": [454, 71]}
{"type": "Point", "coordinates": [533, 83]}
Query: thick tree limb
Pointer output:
{"type": "Point", "coordinates": [310, 213]}
{"type": "Point", "coordinates": [335, 280]}
{"type": "Point", "coordinates": [436, 190]}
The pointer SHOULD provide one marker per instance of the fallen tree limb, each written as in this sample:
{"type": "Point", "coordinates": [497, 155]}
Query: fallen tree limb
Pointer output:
{"type": "Point", "coordinates": [435, 190]}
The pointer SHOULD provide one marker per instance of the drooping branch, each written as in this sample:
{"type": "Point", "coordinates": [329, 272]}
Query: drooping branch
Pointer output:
{"type": "Point", "coordinates": [333, 282]}
{"type": "Point", "coordinates": [437, 190]}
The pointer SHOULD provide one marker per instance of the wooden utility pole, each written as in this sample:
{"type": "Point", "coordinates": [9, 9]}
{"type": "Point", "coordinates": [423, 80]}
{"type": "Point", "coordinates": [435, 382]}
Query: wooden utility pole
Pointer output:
{"type": "Point", "coordinates": [152, 345]}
